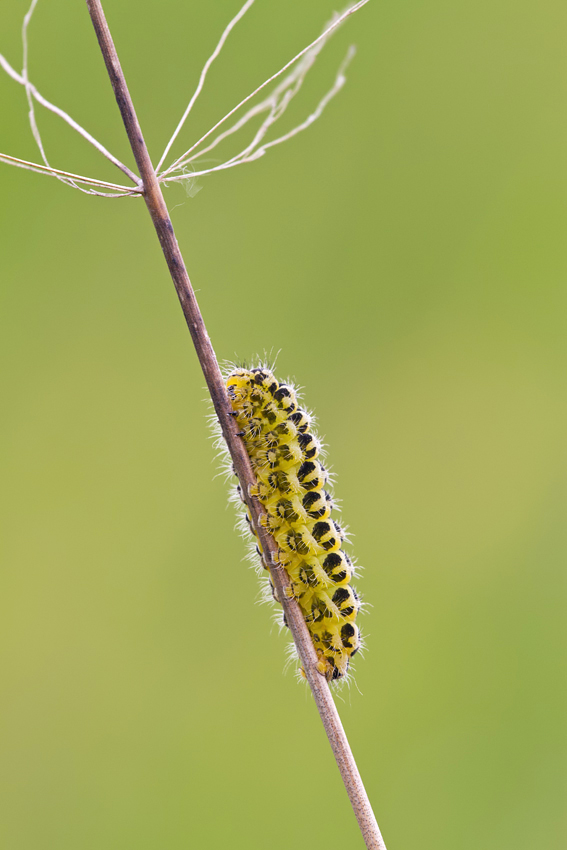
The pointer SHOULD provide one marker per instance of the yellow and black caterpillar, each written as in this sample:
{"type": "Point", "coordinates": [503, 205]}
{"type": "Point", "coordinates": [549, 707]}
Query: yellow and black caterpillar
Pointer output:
{"type": "Point", "coordinates": [291, 487]}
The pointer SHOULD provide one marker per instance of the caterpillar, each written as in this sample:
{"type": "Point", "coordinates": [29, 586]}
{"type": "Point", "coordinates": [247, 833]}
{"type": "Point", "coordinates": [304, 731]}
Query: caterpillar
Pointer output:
{"type": "Point", "coordinates": [292, 485]}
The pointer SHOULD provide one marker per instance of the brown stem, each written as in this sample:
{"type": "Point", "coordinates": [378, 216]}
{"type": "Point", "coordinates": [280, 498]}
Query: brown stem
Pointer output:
{"type": "Point", "coordinates": [207, 358]}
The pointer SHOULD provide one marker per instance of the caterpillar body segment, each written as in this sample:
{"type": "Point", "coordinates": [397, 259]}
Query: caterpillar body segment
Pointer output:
{"type": "Point", "coordinates": [291, 485]}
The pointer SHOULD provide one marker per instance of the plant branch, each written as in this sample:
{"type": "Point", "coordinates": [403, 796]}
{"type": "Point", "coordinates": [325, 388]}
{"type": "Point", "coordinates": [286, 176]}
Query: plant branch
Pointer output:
{"type": "Point", "coordinates": [202, 77]}
{"type": "Point", "coordinates": [324, 35]}
{"type": "Point", "coordinates": [121, 191]}
{"type": "Point", "coordinates": [251, 152]}
{"type": "Point", "coordinates": [207, 358]}
{"type": "Point", "coordinates": [31, 114]}
{"type": "Point", "coordinates": [67, 118]}
{"type": "Point", "coordinates": [278, 98]}
{"type": "Point", "coordinates": [318, 111]}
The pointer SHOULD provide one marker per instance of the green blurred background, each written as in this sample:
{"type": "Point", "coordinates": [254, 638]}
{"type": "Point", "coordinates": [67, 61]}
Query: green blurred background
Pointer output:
{"type": "Point", "coordinates": [405, 257]}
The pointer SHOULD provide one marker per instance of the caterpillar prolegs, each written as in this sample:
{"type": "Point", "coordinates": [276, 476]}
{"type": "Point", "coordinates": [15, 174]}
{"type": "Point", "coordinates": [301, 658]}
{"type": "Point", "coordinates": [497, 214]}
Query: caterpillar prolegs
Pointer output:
{"type": "Point", "coordinates": [292, 486]}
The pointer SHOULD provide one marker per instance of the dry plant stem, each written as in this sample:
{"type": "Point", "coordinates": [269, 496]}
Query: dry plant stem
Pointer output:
{"type": "Point", "coordinates": [122, 191]}
{"type": "Point", "coordinates": [202, 78]}
{"type": "Point", "coordinates": [249, 154]}
{"type": "Point", "coordinates": [179, 163]}
{"type": "Point", "coordinates": [207, 358]}
{"type": "Point", "coordinates": [67, 118]}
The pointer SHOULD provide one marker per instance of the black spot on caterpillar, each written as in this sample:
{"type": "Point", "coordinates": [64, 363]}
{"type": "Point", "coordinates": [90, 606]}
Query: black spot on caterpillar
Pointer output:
{"type": "Point", "coordinates": [291, 483]}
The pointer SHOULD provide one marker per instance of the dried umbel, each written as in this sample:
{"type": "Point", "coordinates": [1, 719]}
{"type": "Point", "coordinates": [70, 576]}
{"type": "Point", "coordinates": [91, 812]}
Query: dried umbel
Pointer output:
{"type": "Point", "coordinates": [187, 167]}
{"type": "Point", "coordinates": [292, 485]}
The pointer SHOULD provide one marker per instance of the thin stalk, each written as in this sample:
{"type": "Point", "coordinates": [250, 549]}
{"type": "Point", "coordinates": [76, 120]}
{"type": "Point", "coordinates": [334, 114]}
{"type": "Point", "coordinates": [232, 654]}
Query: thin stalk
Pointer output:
{"type": "Point", "coordinates": [67, 118]}
{"type": "Point", "coordinates": [159, 213]}
{"type": "Point", "coordinates": [122, 191]}
{"type": "Point", "coordinates": [322, 38]}
{"type": "Point", "coordinates": [203, 77]}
